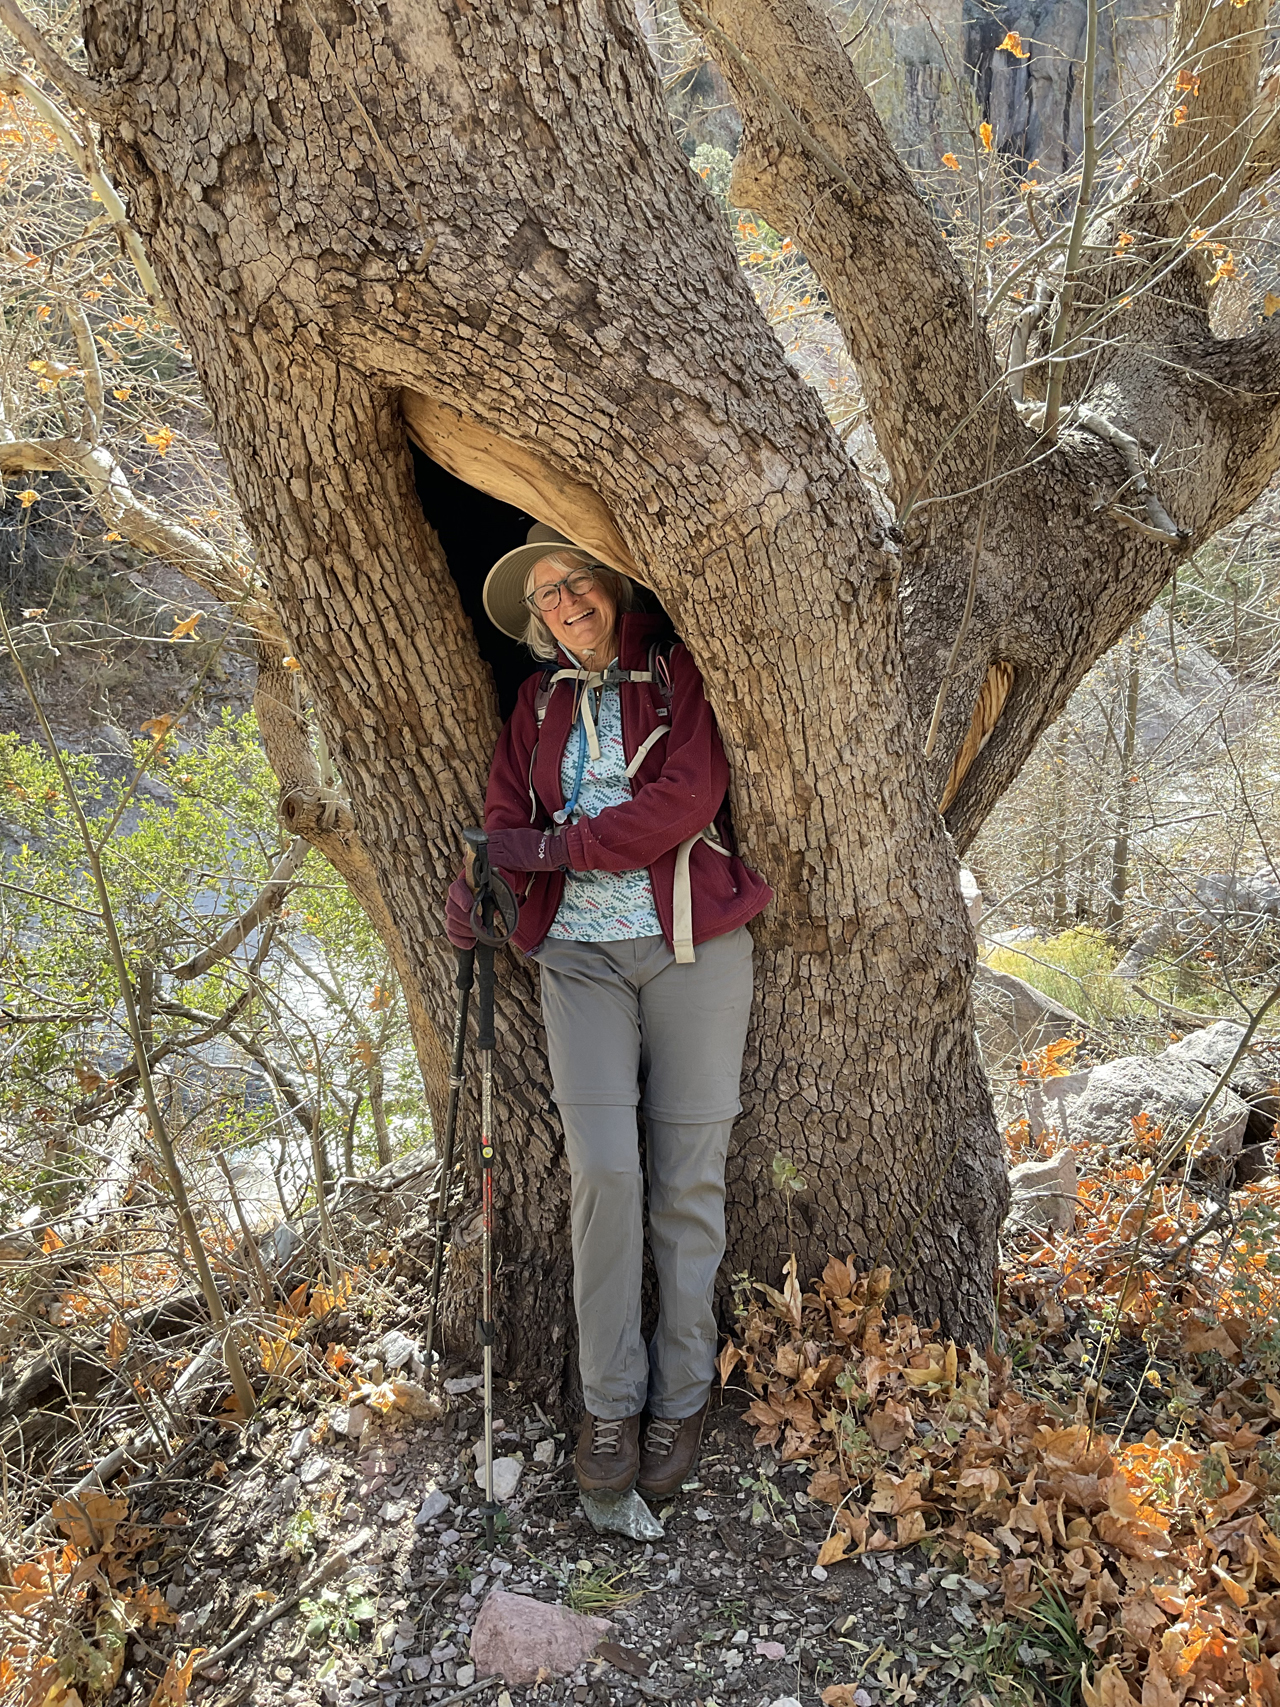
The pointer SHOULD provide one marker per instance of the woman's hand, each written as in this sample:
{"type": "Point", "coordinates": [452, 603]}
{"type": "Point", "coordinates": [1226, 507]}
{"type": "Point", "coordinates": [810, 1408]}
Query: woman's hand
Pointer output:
{"type": "Point", "coordinates": [457, 914]}
{"type": "Point", "coordinates": [528, 850]}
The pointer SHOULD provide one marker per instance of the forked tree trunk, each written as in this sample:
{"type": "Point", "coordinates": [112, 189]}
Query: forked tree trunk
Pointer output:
{"type": "Point", "coordinates": [483, 205]}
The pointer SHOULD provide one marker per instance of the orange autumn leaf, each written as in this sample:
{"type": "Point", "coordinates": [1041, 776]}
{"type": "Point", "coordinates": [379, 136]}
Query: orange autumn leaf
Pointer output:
{"type": "Point", "coordinates": [950, 160]}
{"type": "Point", "coordinates": [986, 133]}
{"type": "Point", "coordinates": [172, 1689]}
{"type": "Point", "coordinates": [51, 1242]}
{"type": "Point", "coordinates": [833, 1549]}
{"type": "Point", "coordinates": [1188, 82]}
{"type": "Point", "coordinates": [1012, 43]}
{"type": "Point", "coordinates": [117, 1341]}
{"type": "Point", "coordinates": [187, 626]}
{"type": "Point", "coordinates": [159, 727]}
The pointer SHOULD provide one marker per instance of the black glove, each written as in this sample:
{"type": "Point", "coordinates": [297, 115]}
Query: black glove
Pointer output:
{"type": "Point", "coordinates": [528, 850]}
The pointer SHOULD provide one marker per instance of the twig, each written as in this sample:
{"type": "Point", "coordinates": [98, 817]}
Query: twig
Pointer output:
{"type": "Point", "coordinates": [1075, 242]}
{"type": "Point", "coordinates": [1162, 525]}
{"type": "Point", "coordinates": [340, 1561]}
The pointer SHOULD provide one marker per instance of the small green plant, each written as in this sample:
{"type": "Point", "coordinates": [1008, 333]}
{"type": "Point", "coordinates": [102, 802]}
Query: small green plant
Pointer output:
{"type": "Point", "coordinates": [599, 1588]}
{"type": "Point", "coordinates": [300, 1533]}
{"type": "Point", "coordinates": [787, 1179]}
{"type": "Point", "coordinates": [1030, 1662]}
{"type": "Point", "coordinates": [337, 1614]}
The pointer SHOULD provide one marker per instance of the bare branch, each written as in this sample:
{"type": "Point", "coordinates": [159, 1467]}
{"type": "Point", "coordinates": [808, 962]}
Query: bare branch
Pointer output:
{"type": "Point", "coordinates": [82, 91]}
{"type": "Point", "coordinates": [272, 896]}
{"type": "Point", "coordinates": [85, 156]}
{"type": "Point", "coordinates": [817, 163]}
{"type": "Point", "coordinates": [141, 524]}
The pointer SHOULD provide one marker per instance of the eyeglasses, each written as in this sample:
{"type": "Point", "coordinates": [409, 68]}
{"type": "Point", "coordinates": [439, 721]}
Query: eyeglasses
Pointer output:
{"type": "Point", "coordinates": [547, 597]}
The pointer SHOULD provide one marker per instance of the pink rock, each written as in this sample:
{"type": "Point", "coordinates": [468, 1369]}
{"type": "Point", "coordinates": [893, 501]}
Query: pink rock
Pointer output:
{"type": "Point", "coordinates": [517, 1637]}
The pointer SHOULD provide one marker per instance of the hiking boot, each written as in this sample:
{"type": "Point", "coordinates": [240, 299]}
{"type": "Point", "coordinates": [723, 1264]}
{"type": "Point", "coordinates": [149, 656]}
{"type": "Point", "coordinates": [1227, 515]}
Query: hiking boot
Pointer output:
{"type": "Point", "coordinates": [608, 1454]}
{"type": "Point", "coordinates": [670, 1452]}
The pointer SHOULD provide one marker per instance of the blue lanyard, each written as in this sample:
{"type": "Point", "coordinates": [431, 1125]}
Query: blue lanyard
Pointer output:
{"type": "Point", "coordinates": [565, 815]}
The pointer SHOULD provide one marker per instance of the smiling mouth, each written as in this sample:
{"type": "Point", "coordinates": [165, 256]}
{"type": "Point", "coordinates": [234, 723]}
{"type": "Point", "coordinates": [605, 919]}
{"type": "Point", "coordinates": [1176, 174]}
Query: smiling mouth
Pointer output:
{"type": "Point", "coordinates": [581, 617]}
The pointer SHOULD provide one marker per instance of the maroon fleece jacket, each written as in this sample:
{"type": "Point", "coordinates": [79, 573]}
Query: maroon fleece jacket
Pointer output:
{"type": "Point", "coordinates": [678, 791]}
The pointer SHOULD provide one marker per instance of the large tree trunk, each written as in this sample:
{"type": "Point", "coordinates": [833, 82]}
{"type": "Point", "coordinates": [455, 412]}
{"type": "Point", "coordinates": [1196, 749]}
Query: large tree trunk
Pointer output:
{"type": "Point", "coordinates": [481, 206]}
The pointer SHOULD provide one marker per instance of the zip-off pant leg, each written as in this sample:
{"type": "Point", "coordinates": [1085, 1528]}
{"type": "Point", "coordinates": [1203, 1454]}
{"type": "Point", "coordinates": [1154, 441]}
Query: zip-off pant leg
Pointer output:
{"type": "Point", "coordinates": [612, 1009]}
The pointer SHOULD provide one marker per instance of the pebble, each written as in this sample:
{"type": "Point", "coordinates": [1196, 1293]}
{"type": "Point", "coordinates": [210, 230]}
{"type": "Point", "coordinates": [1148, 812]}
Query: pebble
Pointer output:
{"type": "Point", "coordinates": [393, 1511]}
{"type": "Point", "coordinates": [435, 1505]}
{"type": "Point", "coordinates": [465, 1676]}
{"type": "Point", "coordinates": [545, 1452]}
{"type": "Point", "coordinates": [314, 1470]}
{"type": "Point", "coordinates": [450, 1536]}
{"type": "Point", "coordinates": [506, 1477]}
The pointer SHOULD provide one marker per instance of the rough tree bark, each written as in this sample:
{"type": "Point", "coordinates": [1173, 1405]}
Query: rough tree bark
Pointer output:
{"type": "Point", "coordinates": [482, 206]}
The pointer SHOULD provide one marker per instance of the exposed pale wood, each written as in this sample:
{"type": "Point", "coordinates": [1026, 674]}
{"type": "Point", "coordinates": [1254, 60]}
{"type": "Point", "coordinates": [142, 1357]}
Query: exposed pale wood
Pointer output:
{"type": "Point", "coordinates": [986, 711]}
{"type": "Point", "coordinates": [516, 474]}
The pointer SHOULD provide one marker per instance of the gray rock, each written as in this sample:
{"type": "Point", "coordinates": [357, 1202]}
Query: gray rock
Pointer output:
{"type": "Point", "coordinates": [506, 1477]}
{"type": "Point", "coordinates": [971, 895]}
{"type": "Point", "coordinates": [398, 1351]}
{"type": "Point", "coordinates": [621, 1514]}
{"type": "Point", "coordinates": [1170, 1091]}
{"type": "Point", "coordinates": [435, 1505]}
{"type": "Point", "coordinates": [1254, 1077]}
{"type": "Point", "coordinates": [1014, 1019]}
{"type": "Point", "coordinates": [1043, 1193]}
{"type": "Point", "coordinates": [279, 1247]}
{"type": "Point", "coordinates": [314, 1470]}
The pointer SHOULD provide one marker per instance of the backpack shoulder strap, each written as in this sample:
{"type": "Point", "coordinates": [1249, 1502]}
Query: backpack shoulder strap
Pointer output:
{"type": "Point", "coordinates": [542, 698]}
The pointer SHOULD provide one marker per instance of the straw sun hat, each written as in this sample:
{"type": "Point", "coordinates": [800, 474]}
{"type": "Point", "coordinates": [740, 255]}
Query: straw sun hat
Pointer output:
{"type": "Point", "coordinates": [504, 584]}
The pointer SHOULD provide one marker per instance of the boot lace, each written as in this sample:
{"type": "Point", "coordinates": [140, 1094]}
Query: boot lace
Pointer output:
{"type": "Point", "coordinates": [660, 1437]}
{"type": "Point", "coordinates": [606, 1437]}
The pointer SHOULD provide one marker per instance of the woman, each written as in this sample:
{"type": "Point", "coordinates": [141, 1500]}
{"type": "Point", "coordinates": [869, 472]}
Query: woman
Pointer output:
{"type": "Point", "coordinates": [602, 810]}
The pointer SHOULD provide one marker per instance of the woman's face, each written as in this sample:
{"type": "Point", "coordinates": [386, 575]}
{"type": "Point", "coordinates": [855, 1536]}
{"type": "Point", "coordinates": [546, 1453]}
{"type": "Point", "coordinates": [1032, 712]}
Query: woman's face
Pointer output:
{"type": "Point", "coordinates": [582, 623]}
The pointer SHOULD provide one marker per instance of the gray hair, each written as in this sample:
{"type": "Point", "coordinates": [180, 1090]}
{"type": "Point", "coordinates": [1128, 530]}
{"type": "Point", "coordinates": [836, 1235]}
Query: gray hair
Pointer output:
{"type": "Point", "coordinates": [537, 636]}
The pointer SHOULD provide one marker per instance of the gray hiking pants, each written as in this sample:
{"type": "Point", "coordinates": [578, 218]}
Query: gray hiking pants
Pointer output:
{"type": "Point", "coordinates": [616, 1013]}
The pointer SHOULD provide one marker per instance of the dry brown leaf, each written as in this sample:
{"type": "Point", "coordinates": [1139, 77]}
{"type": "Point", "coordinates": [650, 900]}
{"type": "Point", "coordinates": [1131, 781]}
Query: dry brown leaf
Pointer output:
{"type": "Point", "coordinates": [1106, 1689]}
{"type": "Point", "coordinates": [172, 1689]}
{"type": "Point", "coordinates": [833, 1549]}
{"type": "Point", "coordinates": [728, 1360]}
{"type": "Point", "coordinates": [117, 1341]}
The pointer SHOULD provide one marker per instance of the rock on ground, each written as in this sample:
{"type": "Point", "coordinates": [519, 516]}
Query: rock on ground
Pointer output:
{"type": "Point", "coordinates": [1044, 1192]}
{"type": "Point", "coordinates": [1169, 1090]}
{"type": "Point", "coordinates": [1254, 1077]}
{"type": "Point", "coordinates": [516, 1637]}
{"type": "Point", "coordinates": [506, 1477]}
{"type": "Point", "coordinates": [1014, 1020]}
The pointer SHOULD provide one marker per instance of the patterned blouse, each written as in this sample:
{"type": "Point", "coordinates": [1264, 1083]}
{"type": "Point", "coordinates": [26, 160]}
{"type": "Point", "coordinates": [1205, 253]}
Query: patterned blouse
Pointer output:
{"type": "Point", "coordinates": [602, 906]}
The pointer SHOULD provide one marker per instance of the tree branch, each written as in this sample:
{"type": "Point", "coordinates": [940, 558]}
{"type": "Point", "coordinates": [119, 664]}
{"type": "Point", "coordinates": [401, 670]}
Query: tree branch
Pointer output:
{"type": "Point", "coordinates": [272, 897]}
{"type": "Point", "coordinates": [141, 524]}
{"type": "Point", "coordinates": [86, 158]}
{"type": "Point", "coordinates": [82, 91]}
{"type": "Point", "coordinates": [817, 163]}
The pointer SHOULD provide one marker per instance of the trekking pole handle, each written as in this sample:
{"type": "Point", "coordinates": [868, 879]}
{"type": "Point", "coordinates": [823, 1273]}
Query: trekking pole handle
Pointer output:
{"type": "Point", "coordinates": [495, 911]}
{"type": "Point", "coordinates": [464, 977]}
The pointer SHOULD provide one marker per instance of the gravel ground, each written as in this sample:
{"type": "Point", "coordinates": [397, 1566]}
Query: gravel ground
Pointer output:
{"type": "Point", "coordinates": [728, 1607]}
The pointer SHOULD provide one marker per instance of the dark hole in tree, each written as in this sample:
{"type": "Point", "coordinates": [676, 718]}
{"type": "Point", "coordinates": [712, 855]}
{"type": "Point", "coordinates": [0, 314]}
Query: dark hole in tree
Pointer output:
{"type": "Point", "coordinates": [474, 531]}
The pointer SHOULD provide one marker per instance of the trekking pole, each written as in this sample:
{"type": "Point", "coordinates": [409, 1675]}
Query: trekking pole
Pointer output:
{"type": "Point", "coordinates": [464, 980]}
{"type": "Point", "coordinates": [493, 918]}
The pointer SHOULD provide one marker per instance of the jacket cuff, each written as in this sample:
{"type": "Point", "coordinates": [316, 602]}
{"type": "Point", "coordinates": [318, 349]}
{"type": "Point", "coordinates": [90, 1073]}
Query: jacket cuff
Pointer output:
{"type": "Point", "coordinates": [575, 847]}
